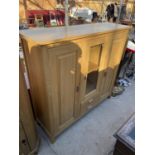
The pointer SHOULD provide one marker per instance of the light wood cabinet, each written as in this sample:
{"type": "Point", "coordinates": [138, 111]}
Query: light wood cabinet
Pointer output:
{"type": "Point", "coordinates": [71, 71]}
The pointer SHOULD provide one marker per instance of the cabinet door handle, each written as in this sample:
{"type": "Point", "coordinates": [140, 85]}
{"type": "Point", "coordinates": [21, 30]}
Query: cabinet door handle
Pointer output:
{"type": "Point", "coordinates": [72, 72]}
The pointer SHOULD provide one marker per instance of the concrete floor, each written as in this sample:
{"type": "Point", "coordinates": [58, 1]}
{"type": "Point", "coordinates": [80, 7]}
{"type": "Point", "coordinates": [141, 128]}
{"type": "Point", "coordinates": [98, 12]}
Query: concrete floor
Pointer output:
{"type": "Point", "coordinates": [93, 134]}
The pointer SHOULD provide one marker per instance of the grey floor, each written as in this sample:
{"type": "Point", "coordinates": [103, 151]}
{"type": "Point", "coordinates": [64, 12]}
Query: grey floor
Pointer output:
{"type": "Point", "coordinates": [93, 134]}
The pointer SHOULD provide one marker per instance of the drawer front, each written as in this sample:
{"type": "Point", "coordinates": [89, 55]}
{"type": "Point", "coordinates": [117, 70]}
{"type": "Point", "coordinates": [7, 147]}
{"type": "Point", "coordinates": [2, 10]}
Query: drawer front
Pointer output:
{"type": "Point", "coordinates": [86, 106]}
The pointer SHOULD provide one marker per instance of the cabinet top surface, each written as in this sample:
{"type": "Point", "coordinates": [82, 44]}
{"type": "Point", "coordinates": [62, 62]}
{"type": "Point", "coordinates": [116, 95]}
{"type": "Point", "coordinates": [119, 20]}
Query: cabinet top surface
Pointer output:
{"type": "Point", "coordinates": [56, 34]}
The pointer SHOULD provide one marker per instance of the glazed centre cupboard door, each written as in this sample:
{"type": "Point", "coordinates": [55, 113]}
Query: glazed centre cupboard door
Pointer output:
{"type": "Point", "coordinates": [63, 73]}
{"type": "Point", "coordinates": [91, 77]}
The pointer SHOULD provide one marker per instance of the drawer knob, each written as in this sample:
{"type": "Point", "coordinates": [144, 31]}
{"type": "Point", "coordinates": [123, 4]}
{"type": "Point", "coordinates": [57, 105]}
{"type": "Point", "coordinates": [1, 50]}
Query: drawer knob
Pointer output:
{"type": "Point", "coordinates": [72, 72]}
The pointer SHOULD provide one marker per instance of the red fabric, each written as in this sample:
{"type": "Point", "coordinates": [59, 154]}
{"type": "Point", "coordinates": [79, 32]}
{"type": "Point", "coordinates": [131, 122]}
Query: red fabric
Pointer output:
{"type": "Point", "coordinates": [59, 15]}
{"type": "Point", "coordinates": [37, 12]}
{"type": "Point", "coordinates": [130, 50]}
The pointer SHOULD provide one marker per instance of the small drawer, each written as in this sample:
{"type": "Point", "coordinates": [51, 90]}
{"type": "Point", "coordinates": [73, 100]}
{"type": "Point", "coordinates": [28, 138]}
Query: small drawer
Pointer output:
{"type": "Point", "coordinates": [92, 102]}
{"type": "Point", "coordinates": [83, 108]}
{"type": "Point", "coordinates": [89, 104]}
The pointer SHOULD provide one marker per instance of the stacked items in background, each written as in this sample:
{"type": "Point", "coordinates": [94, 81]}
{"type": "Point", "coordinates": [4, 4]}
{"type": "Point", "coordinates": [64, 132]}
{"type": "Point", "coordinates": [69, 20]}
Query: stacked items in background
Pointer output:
{"type": "Point", "coordinates": [57, 17]}
{"type": "Point", "coordinates": [112, 12]}
{"type": "Point", "coordinates": [126, 71]}
{"type": "Point", "coordinates": [80, 15]}
{"type": "Point", "coordinates": [44, 18]}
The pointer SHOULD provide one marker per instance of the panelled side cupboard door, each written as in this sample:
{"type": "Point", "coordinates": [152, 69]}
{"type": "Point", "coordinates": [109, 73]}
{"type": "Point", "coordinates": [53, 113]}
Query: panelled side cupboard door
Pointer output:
{"type": "Point", "coordinates": [114, 61]}
{"type": "Point", "coordinates": [64, 74]}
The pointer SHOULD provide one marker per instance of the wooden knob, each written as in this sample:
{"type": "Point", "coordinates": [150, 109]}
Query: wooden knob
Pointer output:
{"type": "Point", "coordinates": [72, 72]}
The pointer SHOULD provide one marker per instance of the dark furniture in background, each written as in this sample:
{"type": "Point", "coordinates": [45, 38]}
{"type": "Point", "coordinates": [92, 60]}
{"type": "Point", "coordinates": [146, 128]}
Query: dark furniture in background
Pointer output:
{"type": "Point", "coordinates": [125, 144]}
{"type": "Point", "coordinates": [28, 137]}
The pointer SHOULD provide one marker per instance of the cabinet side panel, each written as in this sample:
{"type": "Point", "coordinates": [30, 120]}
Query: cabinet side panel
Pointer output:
{"type": "Point", "coordinates": [41, 96]}
{"type": "Point", "coordinates": [36, 74]}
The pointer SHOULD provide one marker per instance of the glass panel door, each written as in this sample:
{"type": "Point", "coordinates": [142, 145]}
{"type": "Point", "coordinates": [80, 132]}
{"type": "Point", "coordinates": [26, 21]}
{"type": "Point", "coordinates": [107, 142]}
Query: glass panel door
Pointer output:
{"type": "Point", "coordinates": [93, 68]}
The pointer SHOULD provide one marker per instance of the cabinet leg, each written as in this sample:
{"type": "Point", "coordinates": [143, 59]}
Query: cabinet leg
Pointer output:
{"type": "Point", "coordinates": [53, 140]}
{"type": "Point", "coordinates": [35, 150]}
{"type": "Point", "coordinates": [35, 153]}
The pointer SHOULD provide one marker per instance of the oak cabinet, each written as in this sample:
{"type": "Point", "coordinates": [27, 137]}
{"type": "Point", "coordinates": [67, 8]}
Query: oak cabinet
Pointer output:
{"type": "Point", "coordinates": [71, 71]}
